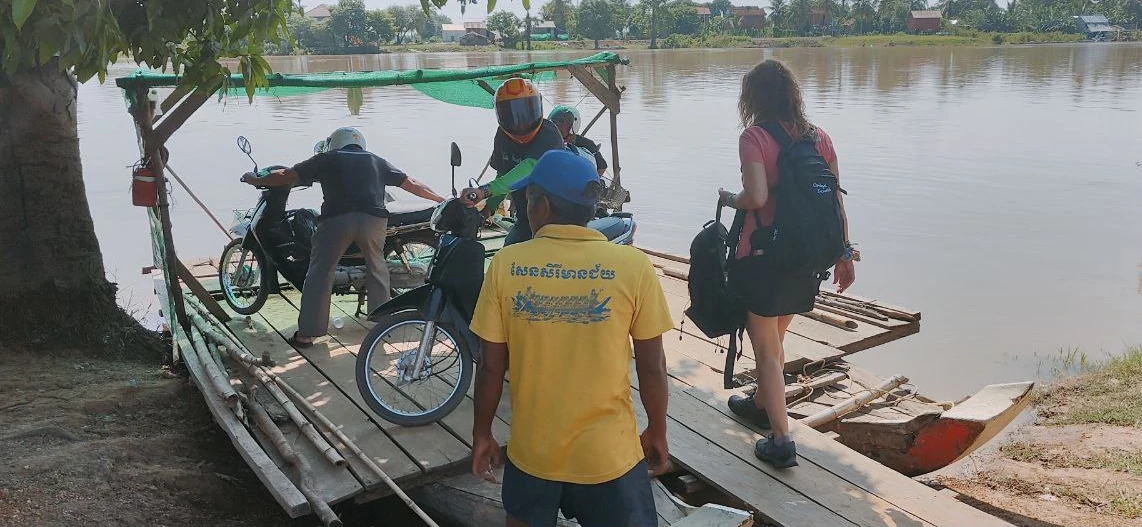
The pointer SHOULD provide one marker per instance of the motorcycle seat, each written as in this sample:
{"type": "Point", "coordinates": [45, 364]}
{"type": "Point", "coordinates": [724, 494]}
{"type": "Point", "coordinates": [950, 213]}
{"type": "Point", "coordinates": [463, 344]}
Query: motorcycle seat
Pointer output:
{"type": "Point", "coordinates": [403, 213]}
{"type": "Point", "coordinates": [612, 227]}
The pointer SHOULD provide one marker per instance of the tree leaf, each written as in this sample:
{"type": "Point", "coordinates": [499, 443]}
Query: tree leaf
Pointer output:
{"type": "Point", "coordinates": [21, 10]}
{"type": "Point", "coordinates": [491, 5]}
{"type": "Point", "coordinates": [527, 5]}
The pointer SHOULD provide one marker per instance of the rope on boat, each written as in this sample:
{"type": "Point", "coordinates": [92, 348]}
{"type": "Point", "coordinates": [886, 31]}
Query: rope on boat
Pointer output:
{"type": "Point", "coordinates": [199, 202]}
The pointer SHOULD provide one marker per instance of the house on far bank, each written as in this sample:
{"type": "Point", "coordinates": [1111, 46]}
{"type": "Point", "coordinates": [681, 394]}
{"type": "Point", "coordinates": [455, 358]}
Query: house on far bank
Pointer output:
{"type": "Point", "coordinates": [1094, 26]}
{"type": "Point", "coordinates": [924, 21]}
{"type": "Point", "coordinates": [475, 39]}
{"type": "Point", "coordinates": [477, 34]}
{"type": "Point", "coordinates": [547, 31]}
{"type": "Point", "coordinates": [452, 32]}
{"type": "Point", "coordinates": [321, 12]}
{"type": "Point", "coordinates": [703, 12]}
{"type": "Point", "coordinates": [750, 17]}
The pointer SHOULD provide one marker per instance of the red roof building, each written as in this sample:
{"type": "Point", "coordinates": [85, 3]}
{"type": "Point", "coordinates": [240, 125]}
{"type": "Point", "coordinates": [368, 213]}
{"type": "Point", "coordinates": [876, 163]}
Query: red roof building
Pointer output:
{"type": "Point", "coordinates": [751, 17]}
{"type": "Point", "coordinates": [924, 21]}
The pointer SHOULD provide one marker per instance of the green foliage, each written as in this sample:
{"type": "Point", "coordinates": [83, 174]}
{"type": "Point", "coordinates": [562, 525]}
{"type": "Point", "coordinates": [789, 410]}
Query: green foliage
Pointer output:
{"type": "Point", "coordinates": [720, 7]}
{"type": "Point", "coordinates": [559, 11]}
{"type": "Point", "coordinates": [685, 17]}
{"type": "Point", "coordinates": [188, 37]}
{"type": "Point", "coordinates": [507, 25]}
{"type": "Point", "coordinates": [596, 19]}
{"type": "Point", "coordinates": [407, 20]}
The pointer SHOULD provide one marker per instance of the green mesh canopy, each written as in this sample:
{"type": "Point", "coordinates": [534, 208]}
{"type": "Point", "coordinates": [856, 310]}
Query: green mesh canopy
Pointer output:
{"type": "Point", "coordinates": [466, 87]}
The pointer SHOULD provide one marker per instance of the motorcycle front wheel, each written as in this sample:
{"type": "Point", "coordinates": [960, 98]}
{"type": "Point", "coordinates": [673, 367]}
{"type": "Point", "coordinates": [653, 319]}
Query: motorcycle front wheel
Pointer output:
{"type": "Point", "coordinates": [386, 374]}
{"type": "Point", "coordinates": [242, 278]}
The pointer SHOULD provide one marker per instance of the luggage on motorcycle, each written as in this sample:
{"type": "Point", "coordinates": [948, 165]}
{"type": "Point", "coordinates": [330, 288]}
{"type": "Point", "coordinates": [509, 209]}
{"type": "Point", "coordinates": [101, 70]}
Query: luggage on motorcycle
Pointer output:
{"type": "Point", "coordinates": [714, 308]}
{"type": "Point", "coordinates": [808, 229]}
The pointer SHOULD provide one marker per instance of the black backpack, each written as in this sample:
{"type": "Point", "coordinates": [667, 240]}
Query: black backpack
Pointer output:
{"type": "Point", "coordinates": [808, 229]}
{"type": "Point", "coordinates": [713, 307]}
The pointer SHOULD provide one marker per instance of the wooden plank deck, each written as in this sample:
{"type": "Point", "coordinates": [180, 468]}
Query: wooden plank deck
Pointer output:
{"type": "Point", "coordinates": [869, 332]}
{"type": "Point", "coordinates": [834, 486]}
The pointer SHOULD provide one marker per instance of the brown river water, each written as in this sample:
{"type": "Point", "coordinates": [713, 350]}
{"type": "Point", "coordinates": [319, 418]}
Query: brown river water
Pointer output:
{"type": "Point", "coordinates": [997, 190]}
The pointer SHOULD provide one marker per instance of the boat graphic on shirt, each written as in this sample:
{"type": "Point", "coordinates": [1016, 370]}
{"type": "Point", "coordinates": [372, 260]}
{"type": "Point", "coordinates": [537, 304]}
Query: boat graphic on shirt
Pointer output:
{"type": "Point", "coordinates": [589, 308]}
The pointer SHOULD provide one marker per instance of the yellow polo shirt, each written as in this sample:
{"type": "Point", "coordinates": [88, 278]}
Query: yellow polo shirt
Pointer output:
{"type": "Point", "coordinates": [567, 304]}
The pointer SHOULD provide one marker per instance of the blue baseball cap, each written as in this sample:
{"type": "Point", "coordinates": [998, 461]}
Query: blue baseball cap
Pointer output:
{"type": "Point", "coordinates": [563, 174]}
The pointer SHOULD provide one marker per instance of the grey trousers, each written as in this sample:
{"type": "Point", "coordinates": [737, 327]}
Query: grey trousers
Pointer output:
{"type": "Point", "coordinates": [333, 236]}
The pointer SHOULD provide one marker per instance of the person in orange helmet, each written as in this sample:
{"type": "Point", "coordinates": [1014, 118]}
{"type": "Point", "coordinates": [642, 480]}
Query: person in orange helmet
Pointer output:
{"type": "Point", "coordinates": [522, 137]}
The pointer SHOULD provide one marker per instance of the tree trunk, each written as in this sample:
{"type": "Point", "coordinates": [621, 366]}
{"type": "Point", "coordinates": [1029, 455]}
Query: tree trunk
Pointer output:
{"type": "Point", "coordinates": [596, 43]}
{"type": "Point", "coordinates": [654, 26]}
{"type": "Point", "coordinates": [527, 30]}
{"type": "Point", "coordinates": [53, 289]}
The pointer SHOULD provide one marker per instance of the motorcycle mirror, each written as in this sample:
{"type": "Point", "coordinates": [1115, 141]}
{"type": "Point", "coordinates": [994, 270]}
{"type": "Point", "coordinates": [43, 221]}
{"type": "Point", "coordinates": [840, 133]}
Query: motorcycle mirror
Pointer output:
{"type": "Point", "coordinates": [319, 147]}
{"type": "Point", "coordinates": [244, 145]}
{"type": "Point", "coordinates": [455, 155]}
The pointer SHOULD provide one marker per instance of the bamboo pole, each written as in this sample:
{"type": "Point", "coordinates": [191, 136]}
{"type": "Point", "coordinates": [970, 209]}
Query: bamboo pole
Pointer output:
{"type": "Point", "coordinates": [222, 339]}
{"type": "Point", "coordinates": [201, 205]}
{"type": "Point", "coordinates": [150, 146]}
{"type": "Point", "coordinates": [844, 306]}
{"type": "Point", "coordinates": [320, 507]}
{"type": "Point", "coordinates": [831, 319]}
{"type": "Point", "coordinates": [272, 382]}
{"type": "Point", "coordinates": [616, 169]}
{"type": "Point", "coordinates": [331, 428]}
{"type": "Point", "coordinates": [220, 382]}
{"type": "Point", "coordinates": [307, 429]}
{"type": "Point", "coordinates": [854, 403]}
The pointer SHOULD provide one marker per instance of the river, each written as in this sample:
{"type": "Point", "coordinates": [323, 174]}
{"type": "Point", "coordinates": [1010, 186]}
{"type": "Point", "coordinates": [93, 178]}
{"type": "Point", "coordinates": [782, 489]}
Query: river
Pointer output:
{"type": "Point", "coordinates": [995, 189]}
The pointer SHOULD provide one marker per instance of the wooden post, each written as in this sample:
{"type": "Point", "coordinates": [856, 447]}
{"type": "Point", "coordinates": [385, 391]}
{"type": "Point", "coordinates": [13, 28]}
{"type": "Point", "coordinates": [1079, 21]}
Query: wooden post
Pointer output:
{"type": "Point", "coordinates": [196, 288]}
{"type": "Point", "coordinates": [615, 167]}
{"type": "Point", "coordinates": [144, 114]}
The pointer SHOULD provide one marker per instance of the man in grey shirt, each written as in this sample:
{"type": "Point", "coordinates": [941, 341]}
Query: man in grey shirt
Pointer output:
{"type": "Point", "coordinates": [353, 182]}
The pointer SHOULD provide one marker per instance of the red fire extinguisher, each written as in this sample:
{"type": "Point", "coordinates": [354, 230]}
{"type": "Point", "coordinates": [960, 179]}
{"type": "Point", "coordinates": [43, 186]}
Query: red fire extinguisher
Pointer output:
{"type": "Point", "coordinates": [143, 189]}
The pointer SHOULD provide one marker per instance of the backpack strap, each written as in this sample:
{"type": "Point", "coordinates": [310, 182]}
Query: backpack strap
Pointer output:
{"type": "Point", "coordinates": [777, 132]}
{"type": "Point", "coordinates": [732, 353]}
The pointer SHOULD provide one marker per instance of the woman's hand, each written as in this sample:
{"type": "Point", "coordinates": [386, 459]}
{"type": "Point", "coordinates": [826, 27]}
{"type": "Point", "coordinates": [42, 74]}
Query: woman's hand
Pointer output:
{"type": "Point", "coordinates": [726, 198]}
{"type": "Point", "coordinates": [844, 274]}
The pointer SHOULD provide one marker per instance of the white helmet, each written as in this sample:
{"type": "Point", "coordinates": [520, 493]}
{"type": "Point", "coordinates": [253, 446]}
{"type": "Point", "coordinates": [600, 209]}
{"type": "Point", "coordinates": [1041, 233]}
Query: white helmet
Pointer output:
{"type": "Point", "coordinates": [343, 137]}
{"type": "Point", "coordinates": [564, 114]}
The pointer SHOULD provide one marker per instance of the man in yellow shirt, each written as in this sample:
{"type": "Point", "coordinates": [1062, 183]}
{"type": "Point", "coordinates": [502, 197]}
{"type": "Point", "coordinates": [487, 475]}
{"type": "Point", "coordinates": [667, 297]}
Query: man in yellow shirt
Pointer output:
{"type": "Point", "coordinates": [563, 308]}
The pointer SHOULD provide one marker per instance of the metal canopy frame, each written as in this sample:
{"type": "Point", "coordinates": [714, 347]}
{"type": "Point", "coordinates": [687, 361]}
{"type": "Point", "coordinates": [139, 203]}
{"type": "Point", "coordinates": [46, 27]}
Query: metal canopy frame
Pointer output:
{"type": "Point", "coordinates": [153, 132]}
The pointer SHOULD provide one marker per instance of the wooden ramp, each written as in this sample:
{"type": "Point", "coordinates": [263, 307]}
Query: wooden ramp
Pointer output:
{"type": "Point", "coordinates": [833, 486]}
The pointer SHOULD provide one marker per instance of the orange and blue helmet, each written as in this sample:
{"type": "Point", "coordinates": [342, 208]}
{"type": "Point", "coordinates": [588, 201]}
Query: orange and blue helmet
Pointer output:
{"type": "Point", "coordinates": [519, 109]}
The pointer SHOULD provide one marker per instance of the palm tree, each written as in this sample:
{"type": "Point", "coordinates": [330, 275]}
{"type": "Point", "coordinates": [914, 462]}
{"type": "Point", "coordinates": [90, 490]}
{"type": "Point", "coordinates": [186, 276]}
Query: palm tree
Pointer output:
{"type": "Point", "coordinates": [862, 11]}
{"type": "Point", "coordinates": [779, 15]}
{"type": "Point", "coordinates": [799, 13]}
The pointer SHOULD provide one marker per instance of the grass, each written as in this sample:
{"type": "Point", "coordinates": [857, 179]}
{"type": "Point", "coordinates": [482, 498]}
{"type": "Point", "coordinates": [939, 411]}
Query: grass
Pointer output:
{"type": "Point", "coordinates": [1127, 504]}
{"type": "Point", "coordinates": [1116, 460]}
{"type": "Point", "coordinates": [1107, 393]}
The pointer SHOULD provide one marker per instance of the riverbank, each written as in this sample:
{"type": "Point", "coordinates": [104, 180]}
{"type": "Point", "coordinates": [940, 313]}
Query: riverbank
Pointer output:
{"type": "Point", "coordinates": [1078, 463]}
{"type": "Point", "coordinates": [737, 41]}
{"type": "Point", "coordinates": [90, 440]}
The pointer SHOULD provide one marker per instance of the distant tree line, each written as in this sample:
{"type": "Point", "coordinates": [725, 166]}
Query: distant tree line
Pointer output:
{"type": "Point", "coordinates": [351, 28]}
{"type": "Point", "coordinates": [654, 19]}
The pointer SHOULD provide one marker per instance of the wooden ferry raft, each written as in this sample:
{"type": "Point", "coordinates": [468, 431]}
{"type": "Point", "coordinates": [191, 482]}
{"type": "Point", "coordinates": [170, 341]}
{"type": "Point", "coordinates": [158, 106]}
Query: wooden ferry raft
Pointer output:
{"type": "Point", "coordinates": [833, 486]}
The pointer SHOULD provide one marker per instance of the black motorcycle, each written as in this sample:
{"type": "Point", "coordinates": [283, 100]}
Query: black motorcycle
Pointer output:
{"type": "Point", "coordinates": [270, 240]}
{"type": "Point", "coordinates": [416, 364]}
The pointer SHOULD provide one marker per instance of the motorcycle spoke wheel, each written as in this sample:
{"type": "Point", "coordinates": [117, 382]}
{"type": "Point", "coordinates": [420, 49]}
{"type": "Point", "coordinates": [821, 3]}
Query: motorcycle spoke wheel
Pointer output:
{"type": "Point", "coordinates": [240, 278]}
{"type": "Point", "coordinates": [390, 360]}
{"type": "Point", "coordinates": [417, 254]}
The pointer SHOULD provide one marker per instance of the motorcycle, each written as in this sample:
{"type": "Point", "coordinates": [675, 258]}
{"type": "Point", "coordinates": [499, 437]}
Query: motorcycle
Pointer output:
{"type": "Point", "coordinates": [416, 364]}
{"type": "Point", "coordinates": [270, 240]}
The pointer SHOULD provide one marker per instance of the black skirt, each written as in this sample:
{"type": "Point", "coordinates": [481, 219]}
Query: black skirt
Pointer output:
{"type": "Point", "coordinates": [767, 292]}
